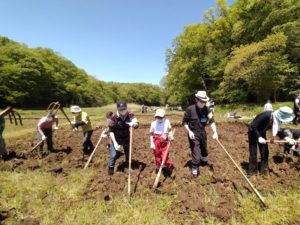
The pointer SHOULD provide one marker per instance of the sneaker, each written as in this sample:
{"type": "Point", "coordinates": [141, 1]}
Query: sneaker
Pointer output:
{"type": "Point", "coordinates": [195, 172]}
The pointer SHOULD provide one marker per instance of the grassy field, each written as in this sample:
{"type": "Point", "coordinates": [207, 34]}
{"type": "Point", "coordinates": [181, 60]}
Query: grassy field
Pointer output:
{"type": "Point", "coordinates": [22, 192]}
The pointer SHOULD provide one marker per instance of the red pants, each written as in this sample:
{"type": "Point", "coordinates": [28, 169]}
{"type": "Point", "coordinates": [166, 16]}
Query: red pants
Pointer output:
{"type": "Point", "coordinates": [160, 151]}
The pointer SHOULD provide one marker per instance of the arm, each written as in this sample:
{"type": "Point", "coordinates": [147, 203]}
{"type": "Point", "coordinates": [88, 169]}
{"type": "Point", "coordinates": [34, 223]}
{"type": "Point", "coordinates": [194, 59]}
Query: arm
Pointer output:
{"type": "Point", "coordinates": [114, 142]}
{"type": "Point", "coordinates": [39, 126]}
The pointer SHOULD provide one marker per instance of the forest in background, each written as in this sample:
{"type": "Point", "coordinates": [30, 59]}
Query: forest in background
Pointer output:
{"type": "Point", "coordinates": [246, 52]}
{"type": "Point", "coordinates": [34, 77]}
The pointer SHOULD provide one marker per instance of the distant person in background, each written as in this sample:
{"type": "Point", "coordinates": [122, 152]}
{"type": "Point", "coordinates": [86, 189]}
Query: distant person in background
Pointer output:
{"type": "Point", "coordinates": [268, 106]}
{"type": "Point", "coordinates": [44, 130]}
{"type": "Point", "coordinates": [196, 117]}
{"type": "Point", "coordinates": [3, 151]}
{"type": "Point", "coordinates": [82, 119]}
{"type": "Point", "coordinates": [119, 125]}
{"type": "Point", "coordinates": [160, 135]}
{"type": "Point", "coordinates": [257, 136]}
{"type": "Point", "coordinates": [296, 109]}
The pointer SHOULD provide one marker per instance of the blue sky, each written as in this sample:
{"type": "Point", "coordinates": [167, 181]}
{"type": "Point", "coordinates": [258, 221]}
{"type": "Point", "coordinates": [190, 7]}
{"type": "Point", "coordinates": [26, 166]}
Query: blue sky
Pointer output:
{"type": "Point", "coordinates": [113, 40]}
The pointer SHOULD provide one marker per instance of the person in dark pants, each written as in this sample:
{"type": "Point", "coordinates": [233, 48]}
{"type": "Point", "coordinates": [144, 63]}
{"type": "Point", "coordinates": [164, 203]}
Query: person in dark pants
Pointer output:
{"type": "Point", "coordinates": [196, 117]}
{"type": "Point", "coordinates": [296, 110]}
{"type": "Point", "coordinates": [257, 135]}
{"type": "Point", "coordinates": [44, 130]}
{"type": "Point", "coordinates": [119, 125]}
{"type": "Point", "coordinates": [81, 119]}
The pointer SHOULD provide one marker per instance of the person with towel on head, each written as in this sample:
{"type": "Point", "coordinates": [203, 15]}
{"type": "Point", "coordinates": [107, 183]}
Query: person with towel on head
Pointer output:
{"type": "Point", "coordinates": [257, 136]}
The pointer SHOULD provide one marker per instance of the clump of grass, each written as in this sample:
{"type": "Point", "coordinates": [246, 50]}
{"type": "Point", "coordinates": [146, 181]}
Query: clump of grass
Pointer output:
{"type": "Point", "coordinates": [283, 207]}
{"type": "Point", "coordinates": [62, 200]}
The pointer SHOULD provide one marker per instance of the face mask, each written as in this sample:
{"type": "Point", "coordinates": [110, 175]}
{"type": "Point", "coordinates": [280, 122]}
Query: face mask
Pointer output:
{"type": "Point", "coordinates": [123, 112]}
{"type": "Point", "coordinates": [49, 119]}
{"type": "Point", "coordinates": [200, 104]}
{"type": "Point", "coordinates": [160, 120]}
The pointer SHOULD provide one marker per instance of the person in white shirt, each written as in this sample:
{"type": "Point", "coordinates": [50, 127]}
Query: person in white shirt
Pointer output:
{"type": "Point", "coordinates": [160, 135]}
{"type": "Point", "coordinates": [268, 106]}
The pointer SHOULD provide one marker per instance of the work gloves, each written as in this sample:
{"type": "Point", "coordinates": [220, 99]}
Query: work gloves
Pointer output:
{"type": "Point", "coordinates": [171, 136]}
{"type": "Point", "coordinates": [261, 140]}
{"type": "Point", "coordinates": [290, 141]}
{"type": "Point", "coordinates": [104, 134]}
{"type": "Point", "coordinates": [43, 138]}
{"type": "Point", "coordinates": [191, 135]}
{"type": "Point", "coordinates": [132, 124]}
{"type": "Point", "coordinates": [55, 128]}
{"type": "Point", "coordinates": [152, 146]}
{"type": "Point", "coordinates": [215, 135]}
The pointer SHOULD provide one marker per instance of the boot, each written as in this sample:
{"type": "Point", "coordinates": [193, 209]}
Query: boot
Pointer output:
{"type": "Point", "coordinates": [110, 171]}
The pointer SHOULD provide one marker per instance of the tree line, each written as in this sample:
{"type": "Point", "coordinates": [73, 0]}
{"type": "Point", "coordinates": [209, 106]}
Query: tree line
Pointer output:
{"type": "Point", "coordinates": [246, 52]}
{"type": "Point", "coordinates": [34, 77]}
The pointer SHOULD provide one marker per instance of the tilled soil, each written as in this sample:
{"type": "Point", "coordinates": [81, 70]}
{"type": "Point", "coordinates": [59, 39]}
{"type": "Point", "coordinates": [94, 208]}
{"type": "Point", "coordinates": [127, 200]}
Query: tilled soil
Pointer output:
{"type": "Point", "coordinates": [214, 193]}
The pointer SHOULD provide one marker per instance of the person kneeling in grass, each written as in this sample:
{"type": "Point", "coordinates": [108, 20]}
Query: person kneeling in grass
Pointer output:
{"type": "Point", "coordinates": [161, 134]}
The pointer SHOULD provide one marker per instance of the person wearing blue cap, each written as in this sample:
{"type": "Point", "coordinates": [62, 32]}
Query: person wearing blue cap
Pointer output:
{"type": "Point", "coordinates": [257, 135]}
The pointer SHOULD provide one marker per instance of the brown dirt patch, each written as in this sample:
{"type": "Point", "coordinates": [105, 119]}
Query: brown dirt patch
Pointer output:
{"type": "Point", "coordinates": [214, 193]}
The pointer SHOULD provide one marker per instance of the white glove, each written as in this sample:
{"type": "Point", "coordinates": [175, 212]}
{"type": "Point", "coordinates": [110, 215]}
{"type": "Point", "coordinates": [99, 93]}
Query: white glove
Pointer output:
{"type": "Point", "coordinates": [261, 140]}
{"type": "Point", "coordinates": [132, 124]}
{"type": "Point", "coordinates": [152, 146]}
{"type": "Point", "coordinates": [117, 146]}
{"type": "Point", "coordinates": [290, 141]}
{"type": "Point", "coordinates": [191, 135]}
{"type": "Point", "coordinates": [215, 135]}
{"type": "Point", "coordinates": [43, 138]}
{"type": "Point", "coordinates": [104, 134]}
{"type": "Point", "coordinates": [55, 128]}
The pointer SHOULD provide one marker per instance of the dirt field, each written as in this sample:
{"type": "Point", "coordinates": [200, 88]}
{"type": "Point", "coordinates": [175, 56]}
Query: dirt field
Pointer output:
{"type": "Point", "coordinates": [214, 193]}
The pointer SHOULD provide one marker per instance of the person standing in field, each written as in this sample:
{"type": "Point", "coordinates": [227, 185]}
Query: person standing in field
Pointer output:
{"type": "Point", "coordinates": [160, 135]}
{"type": "Point", "coordinates": [82, 119]}
{"type": "Point", "coordinates": [268, 106]}
{"type": "Point", "coordinates": [257, 136]}
{"type": "Point", "coordinates": [44, 130]}
{"type": "Point", "coordinates": [119, 125]}
{"type": "Point", "coordinates": [296, 109]}
{"type": "Point", "coordinates": [195, 119]}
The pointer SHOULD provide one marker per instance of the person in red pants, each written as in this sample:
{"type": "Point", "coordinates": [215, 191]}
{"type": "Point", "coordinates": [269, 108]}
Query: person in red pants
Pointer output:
{"type": "Point", "coordinates": [160, 135]}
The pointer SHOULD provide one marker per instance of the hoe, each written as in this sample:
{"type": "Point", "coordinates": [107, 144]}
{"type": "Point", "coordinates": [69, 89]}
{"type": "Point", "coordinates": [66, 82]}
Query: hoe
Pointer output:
{"type": "Point", "coordinates": [12, 114]}
{"type": "Point", "coordinates": [53, 108]}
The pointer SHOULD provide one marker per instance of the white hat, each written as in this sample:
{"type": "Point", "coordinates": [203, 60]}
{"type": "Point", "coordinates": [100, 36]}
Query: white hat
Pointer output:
{"type": "Point", "coordinates": [201, 95]}
{"type": "Point", "coordinates": [75, 109]}
{"type": "Point", "coordinates": [160, 113]}
{"type": "Point", "coordinates": [284, 114]}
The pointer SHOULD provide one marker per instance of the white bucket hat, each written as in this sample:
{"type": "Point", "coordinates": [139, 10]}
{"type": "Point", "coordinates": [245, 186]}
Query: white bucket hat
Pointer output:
{"type": "Point", "coordinates": [160, 113]}
{"type": "Point", "coordinates": [75, 109]}
{"type": "Point", "coordinates": [284, 114]}
{"type": "Point", "coordinates": [201, 95]}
